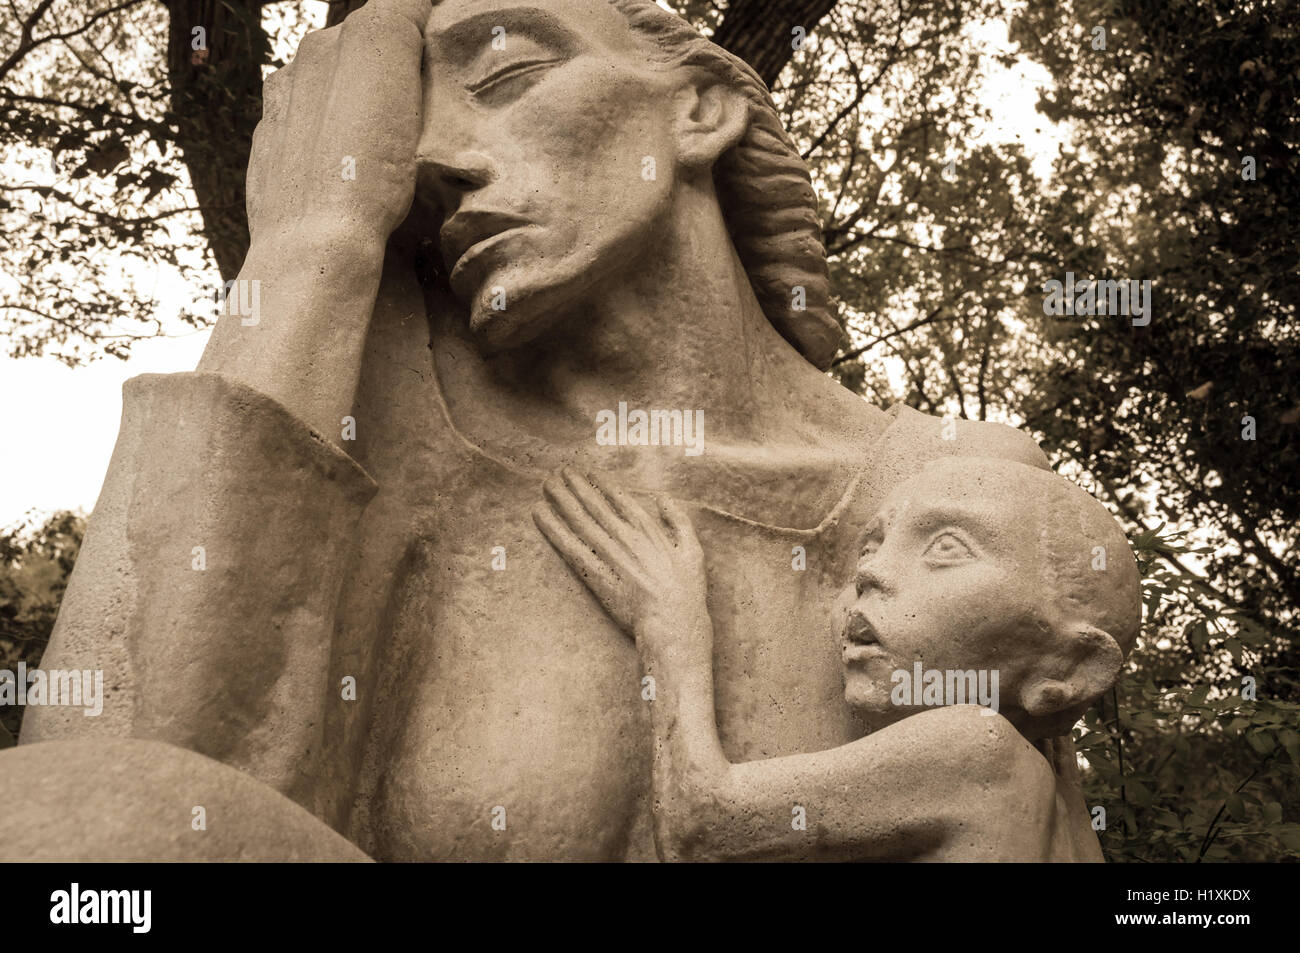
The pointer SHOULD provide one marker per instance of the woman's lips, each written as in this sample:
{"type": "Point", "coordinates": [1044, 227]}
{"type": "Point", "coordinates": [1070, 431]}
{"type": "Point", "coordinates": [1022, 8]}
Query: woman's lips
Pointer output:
{"type": "Point", "coordinates": [470, 232]}
{"type": "Point", "coordinates": [476, 250]}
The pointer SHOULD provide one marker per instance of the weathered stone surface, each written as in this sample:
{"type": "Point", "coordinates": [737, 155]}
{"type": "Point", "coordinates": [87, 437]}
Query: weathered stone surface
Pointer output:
{"type": "Point", "coordinates": [130, 800]}
{"type": "Point", "coordinates": [982, 614]}
{"type": "Point", "coordinates": [601, 212]}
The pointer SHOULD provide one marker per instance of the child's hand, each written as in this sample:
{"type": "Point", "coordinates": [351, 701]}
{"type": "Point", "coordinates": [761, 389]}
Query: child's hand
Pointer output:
{"type": "Point", "coordinates": [647, 571]}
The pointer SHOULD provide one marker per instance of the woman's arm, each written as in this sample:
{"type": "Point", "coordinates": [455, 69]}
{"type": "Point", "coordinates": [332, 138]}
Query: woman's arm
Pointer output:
{"type": "Point", "coordinates": [306, 291]}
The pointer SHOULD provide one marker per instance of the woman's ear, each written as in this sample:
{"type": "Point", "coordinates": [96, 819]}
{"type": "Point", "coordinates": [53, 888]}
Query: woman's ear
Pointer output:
{"type": "Point", "coordinates": [1092, 663]}
{"type": "Point", "coordinates": [711, 118]}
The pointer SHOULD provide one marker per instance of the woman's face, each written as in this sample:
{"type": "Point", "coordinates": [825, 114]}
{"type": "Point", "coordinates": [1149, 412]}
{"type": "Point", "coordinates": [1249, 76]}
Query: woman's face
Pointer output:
{"type": "Point", "coordinates": [539, 123]}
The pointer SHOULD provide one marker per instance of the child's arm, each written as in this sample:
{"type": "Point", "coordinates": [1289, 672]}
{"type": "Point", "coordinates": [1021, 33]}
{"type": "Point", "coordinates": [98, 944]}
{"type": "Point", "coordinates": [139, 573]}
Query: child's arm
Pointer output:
{"type": "Point", "coordinates": [936, 785]}
{"type": "Point", "coordinates": [648, 573]}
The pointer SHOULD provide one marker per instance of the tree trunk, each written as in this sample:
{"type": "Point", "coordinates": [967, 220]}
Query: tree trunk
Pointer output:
{"type": "Point", "coordinates": [761, 32]}
{"type": "Point", "coordinates": [216, 103]}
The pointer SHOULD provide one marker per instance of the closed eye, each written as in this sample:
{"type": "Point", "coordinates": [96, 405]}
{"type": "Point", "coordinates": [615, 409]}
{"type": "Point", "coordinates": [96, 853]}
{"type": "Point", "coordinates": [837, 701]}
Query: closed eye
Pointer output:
{"type": "Point", "coordinates": [513, 71]}
{"type": "Point", "coordinates": [949, 547]}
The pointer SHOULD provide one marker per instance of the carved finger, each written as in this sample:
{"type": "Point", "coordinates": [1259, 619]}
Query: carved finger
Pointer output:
{"type": "Point", "coordinates": [679, 521]}
{"type": "Point", "coordinates": [378, 73]}
{"type": "Point", "coordinates": [571, 511]}
{"type": "Point", "coordinates": [317, 44]}
{"type": "Point", "coordinates": [417, 11]}
{"type": "Point", "coordinates": [597, 503]}
{"type": "Point", "coordinates": [275, 95]}
{"type": "Point", "coordinates": [597, 575]}
{"type": "Point", "coordinates": [626, 506]}
{"type": "Point", "coordinates": [393, 28]}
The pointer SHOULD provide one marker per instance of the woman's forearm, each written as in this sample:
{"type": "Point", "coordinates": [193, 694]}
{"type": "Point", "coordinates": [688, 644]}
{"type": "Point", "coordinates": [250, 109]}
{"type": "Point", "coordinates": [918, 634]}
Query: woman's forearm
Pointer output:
{"type": "Point", "coordinates": [309, 303]}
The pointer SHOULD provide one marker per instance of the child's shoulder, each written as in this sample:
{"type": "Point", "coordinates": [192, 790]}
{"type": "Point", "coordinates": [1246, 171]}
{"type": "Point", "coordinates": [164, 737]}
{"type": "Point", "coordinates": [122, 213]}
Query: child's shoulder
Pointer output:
{"type": "Point", "coordinates": [1002, 792]}
{"type": "Point", "coordinates": [973, 738]}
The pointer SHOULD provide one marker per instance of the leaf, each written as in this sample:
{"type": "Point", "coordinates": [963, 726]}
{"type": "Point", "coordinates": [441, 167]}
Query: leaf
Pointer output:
{"type": "Point", "coordinates": [1291, 742]}
{"type": "Point", "coordinates": [1261, 741]}
{"type": "Point", "coordinates": [1272, 812]}
{"type": "Point", "coordinates": [1217, 851]}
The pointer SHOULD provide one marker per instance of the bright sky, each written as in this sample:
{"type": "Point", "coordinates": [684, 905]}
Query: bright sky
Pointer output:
{"type": "Point", "coordinates": [61, 423]}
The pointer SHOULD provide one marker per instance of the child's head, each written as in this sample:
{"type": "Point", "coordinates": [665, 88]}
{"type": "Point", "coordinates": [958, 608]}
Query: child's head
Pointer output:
{"type": "Point", "coordinates": [998, 567]}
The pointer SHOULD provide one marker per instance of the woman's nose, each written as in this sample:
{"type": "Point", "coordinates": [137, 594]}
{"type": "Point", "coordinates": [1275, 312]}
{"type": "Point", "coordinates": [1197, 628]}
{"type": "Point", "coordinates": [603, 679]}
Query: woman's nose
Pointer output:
{"type": "Point", "coordinates": [451, 174]}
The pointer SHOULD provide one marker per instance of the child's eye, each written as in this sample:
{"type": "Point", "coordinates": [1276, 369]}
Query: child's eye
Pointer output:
{"type": "Point", "coordinates": [948, 547]}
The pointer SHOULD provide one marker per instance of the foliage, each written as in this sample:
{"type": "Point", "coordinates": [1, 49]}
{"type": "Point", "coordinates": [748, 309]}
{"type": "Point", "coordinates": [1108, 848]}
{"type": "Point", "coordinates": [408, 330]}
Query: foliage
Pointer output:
{"type": "Point", "coordinates": [91, 182]}
{"type": "Point", "coordinates": [122, 151]}
{"type": "Point", "coordinates": [1190, 421]}
{"type": "Point", "coordinates": [1190, 770]}
{"type": "Point", "coordinates": [35, 562]}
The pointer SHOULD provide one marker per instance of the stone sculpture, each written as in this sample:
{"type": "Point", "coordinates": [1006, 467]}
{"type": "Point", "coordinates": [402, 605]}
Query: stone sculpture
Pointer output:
{"type": "Point", "coordinates": [958, 585]}
{"type": "Point", "coordinates": [477, 230]}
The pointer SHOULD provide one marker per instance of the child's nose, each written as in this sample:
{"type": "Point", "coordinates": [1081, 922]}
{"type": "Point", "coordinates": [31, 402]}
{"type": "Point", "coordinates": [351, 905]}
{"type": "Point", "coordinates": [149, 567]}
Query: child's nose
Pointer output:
{"type": "Point", "coordinates": [868, 577]}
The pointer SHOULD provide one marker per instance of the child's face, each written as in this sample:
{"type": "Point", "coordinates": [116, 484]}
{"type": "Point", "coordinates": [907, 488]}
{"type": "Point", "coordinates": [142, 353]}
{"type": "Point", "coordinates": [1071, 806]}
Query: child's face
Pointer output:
{"type": "Point", "coordinates": [947, 577]}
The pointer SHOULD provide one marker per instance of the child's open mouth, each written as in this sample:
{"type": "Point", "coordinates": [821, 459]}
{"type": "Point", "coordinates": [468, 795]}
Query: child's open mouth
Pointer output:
{"type": "Point", "coordinates": [859, 631]}
{"type": "Point", "coordinates": [855, 652]}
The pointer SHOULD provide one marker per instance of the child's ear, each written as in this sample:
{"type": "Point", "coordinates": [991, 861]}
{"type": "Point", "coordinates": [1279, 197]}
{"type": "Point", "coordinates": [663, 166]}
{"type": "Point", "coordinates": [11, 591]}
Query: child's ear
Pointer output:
{"type": "Point", "coordinates": [1092, 661]}
{"type": "Point", "coordinates": [711, 118]}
